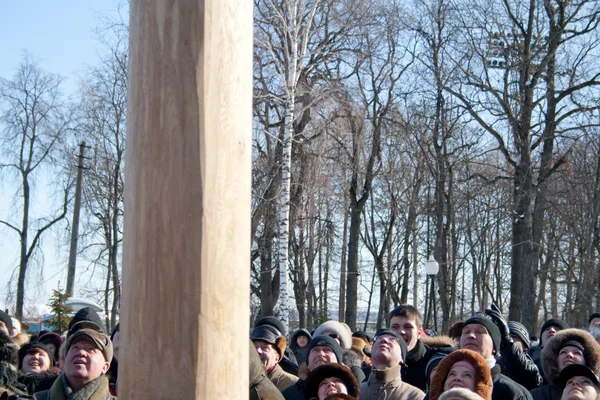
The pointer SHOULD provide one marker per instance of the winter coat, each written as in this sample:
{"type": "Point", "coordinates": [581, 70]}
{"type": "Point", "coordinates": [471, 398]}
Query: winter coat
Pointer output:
{"type": "Point", "coordinates": [519, 367]}
{"type": "Point", "coordinates": [294, 392]}
{"type": "Point", "coordinates": [281, 379]}
{"type": "Point", "coordinates": [417, 359]}
{"type": "Point", "coordinates": [300, 353]}
{"type": "Point", "coordinates": [387, 384]}
{"type": "Point", "coordinates": [549, 360]}
{"type": "Point", "coordinates": [505, 388]}
{"type": "Point", "coordinates": [482, 378]}
{"type": "Point", "coordinates": [261, 388]}
{"type": "Point", "coordinates": [38, 382]}
{"type": "Point", "coordinates": [57, 391]}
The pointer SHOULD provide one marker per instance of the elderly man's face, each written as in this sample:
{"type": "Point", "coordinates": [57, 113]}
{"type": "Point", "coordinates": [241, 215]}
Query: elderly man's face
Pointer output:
{"type": "Point", "coordinates": [267, 353]}
{"type": "Point", "coordinates": [476, 337]}
{"type": "Point", "coordinates": [321, 355]}
{"type": "Point", "coordinates": [84, 362]}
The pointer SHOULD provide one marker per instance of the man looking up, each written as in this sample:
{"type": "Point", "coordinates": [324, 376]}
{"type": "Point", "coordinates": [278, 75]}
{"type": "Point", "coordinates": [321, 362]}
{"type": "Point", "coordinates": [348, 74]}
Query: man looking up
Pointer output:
{"type": "Point", "coordinates": [406, 320]}
{"type": "Point", "coordinates": [481, 335]}
{"type": "Point", "coordinates": [387, 355]}
{"type": "Point", "coordinates": [270, 346]}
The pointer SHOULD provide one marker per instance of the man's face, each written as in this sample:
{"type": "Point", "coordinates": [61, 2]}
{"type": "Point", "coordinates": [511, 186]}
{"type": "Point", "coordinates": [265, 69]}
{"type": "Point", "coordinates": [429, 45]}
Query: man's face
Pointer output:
{"type": "Point", "coordinates": [35, 361]}
{"type": "Point", "coordinates": [407, 328]}
{"type": "Point", "coordinates": [580, 388]}
{"type": "Point", "coordinates": [84, 362]}
{"type": "Point", "coordinates": [549, 333]}
{"type": "Point", "coordinates": [4, 328]}
{"type": "Point", "coordinates": [386, 352]}
{"type": "Point", "coordinates": [331, 386]}
{"type": "Point", "coordinates": [476, 337]}
{"type": "Point", "coordinates": [320, 355]}
{"type": "Point", "coordinates": [569, 355]}
{"type": "Point", "coordinates": [267, 353]}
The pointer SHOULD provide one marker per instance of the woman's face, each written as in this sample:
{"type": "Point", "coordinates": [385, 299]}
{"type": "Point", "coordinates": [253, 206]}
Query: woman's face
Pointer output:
{"type": "Point", "coordinates": [331, 386]}
{"type": "Point", "coordinates": [460, 376]}
{"type": "Point", "coordinates": [301, 341]}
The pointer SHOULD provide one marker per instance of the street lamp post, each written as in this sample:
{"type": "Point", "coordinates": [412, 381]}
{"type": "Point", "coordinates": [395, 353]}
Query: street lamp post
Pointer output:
{"type": "Point", "coordinates": [431, 269]}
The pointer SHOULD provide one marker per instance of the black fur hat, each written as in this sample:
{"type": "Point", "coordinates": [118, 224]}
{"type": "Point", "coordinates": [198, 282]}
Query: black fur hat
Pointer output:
{"type": "Point", "coordinates": [9, 356]}
{"type": "Point", "coordinates": [34, 345]}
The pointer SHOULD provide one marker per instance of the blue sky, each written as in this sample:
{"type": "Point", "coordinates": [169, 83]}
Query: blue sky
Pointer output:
{"type": "Point", "coordinates": [60, 34]}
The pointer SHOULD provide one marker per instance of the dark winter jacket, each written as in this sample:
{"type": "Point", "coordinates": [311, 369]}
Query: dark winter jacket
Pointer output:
{"type": "Point", "coordinates": [547, 392]}
{"type": "Point", "coordinates": [300, 353]}
{"type": "Point", "coordinates": [505, 388]}
{"type": "Point", "coordinates": [288, 362]}
{"type": "Point", "coordinates": [38, 382]}
{"type": "Point", "coordinates": [417, 359]}
{"type": "Point", "coordinates": [550, 360]}
{"type": "Point", "coordinates": [261, 388]}
{"type": "Point", "coordinates": [519, 367]}
{"type": "Point", "coordinates": [294, 392]}
{"type": "Point", "coordinates": [59, 390]}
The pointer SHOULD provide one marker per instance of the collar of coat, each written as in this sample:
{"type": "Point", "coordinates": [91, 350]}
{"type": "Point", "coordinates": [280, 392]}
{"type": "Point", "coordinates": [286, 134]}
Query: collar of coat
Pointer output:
{"type": "Point", "coordinates": [95, 390]}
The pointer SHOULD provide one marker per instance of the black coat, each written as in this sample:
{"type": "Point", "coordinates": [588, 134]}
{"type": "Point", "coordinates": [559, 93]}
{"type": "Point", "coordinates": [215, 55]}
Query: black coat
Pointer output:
{"type": "Point", "coordinates": [507, 389]}
{"type": "Point", "coordinates": [519, 367]}
{"type": "Point", "coordinates": [294, 392]}
{"type": "Point", "coordinates": [419, 356]}
{"type": "Point", "coordinates": [547, 392]}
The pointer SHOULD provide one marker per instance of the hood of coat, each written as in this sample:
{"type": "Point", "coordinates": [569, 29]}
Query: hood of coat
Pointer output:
{"type": "Point", "coordinates": [483, 377]}
{"type": "Point", "coordinates": [298, 332]}
{"type": "Point", "coordinates": [438, 341]}
{"type": "Point", "coordinates": [552, 348]}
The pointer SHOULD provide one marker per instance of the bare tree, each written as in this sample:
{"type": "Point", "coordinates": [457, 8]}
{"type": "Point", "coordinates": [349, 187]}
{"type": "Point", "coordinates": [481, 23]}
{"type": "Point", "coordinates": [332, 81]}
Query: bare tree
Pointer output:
{"type": "Point", "coordinates": [36, 123]}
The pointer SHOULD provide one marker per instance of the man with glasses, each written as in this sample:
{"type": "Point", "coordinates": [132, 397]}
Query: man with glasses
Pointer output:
{"type": "Point", "coordinates": [385, 382]}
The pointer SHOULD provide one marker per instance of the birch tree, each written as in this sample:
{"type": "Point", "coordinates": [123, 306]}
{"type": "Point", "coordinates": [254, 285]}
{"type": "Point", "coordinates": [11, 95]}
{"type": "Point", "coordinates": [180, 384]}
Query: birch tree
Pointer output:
{"type": "Point", "coordinates": [36, 122]}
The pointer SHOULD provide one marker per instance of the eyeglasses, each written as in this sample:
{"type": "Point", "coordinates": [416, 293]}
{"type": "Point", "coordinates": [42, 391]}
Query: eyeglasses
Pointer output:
{"type": "Point", "coordinates": [389, 338]}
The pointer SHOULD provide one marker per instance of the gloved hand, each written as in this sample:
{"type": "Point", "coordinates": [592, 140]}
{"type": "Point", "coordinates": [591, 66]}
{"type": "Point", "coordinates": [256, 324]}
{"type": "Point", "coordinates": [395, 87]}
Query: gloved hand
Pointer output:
{"type": "Point", "coordinates": [496, 316]}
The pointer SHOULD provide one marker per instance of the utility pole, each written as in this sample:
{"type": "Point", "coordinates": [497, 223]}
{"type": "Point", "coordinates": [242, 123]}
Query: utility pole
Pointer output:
{"type": "Point", "coordinates": [75, 224]}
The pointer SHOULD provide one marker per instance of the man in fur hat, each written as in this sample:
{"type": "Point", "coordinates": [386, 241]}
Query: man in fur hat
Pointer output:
{"type": "Point", "coordinates": [288, 362]}
{"type": "Point", "coordinates": [88, 356]}
{"type": "Point", "coordinates": [270, 346]}
{"type": "Point", "coordinates": [568, 347]}
{"type": "Point", "coordinates": [480, 334]}
{"type": "Point", "coordinates": [388, 352]}
{"type": "Point", "coordinates": [407, 321]}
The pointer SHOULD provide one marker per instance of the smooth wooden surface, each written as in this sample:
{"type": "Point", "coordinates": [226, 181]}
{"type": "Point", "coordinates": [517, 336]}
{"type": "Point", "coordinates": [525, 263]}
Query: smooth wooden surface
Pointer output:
{"type": "Point", "coordinates": [185, 304]}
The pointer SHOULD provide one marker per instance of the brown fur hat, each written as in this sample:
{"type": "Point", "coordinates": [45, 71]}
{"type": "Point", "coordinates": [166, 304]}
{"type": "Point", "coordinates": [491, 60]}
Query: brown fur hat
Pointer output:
{"type": "Point", "coordinates": [552, 348]}
{"type": "Point", "coordinates": [315, 377]}
{"type": "Point", "coordinates": [483, 377]}
{"type": "Point", "coordinates": [358, 346]}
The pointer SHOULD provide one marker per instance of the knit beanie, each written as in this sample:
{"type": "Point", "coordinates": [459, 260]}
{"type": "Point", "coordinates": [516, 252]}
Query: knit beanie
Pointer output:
{"type": "Point", "coordinates": [517, 328]}
{"type": "Point", "coordinates": [403, 347]}
{"type": "Point", "coordinates": [86, 318]}
{"type": "Point", "coordinates": [552, 322]}
{"type": "Point", "coordinates": [491, 327]}
{"type": "Point", "coordinates": [326, 341]}
{"type": "Point", "coordinates": [4, 317]}
{"type": "Point", "coordinates": [336, 328]}
{"type": "Point", "coordinates": [460, 394]}
{"type": "Point", "coordinates": [273, 321]}
{"type": "Point", "coordinates": [34, 345]}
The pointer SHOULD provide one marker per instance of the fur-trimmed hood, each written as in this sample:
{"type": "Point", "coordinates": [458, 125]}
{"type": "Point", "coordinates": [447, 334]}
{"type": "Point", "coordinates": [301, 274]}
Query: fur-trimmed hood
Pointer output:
{"type": "Point", "coordinates": [438, 341]}
{"type": "Point", "coordinates": [551, 349]}
{"type": "Point", "coordinates": [483, 376]}
{"type": "Point", "coordinates": [311, 385]}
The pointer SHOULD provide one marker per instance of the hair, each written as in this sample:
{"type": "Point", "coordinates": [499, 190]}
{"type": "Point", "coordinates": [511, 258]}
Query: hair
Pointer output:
{"type": "Point", "coordinates": [406, 311]}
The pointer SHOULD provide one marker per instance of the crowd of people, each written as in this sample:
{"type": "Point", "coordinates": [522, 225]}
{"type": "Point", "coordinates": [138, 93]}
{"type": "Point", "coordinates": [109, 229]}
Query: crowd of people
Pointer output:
{"type": "Point", "coordinates": [483, 357]}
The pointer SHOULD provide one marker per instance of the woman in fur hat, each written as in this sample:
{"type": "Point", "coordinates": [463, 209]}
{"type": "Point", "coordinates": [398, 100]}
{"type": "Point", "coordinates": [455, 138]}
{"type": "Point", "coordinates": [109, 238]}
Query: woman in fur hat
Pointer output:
{"type": "Point", "coordinates": [331, 381]}
{"type": "Point", "coordinates": [569, 346]}
{"type": "Point", "coordinates": [465, 369]}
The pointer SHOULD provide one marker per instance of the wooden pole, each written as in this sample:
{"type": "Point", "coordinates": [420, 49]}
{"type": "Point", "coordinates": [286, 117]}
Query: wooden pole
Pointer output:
{"type": "Point", "coordinates": [185, 302]}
